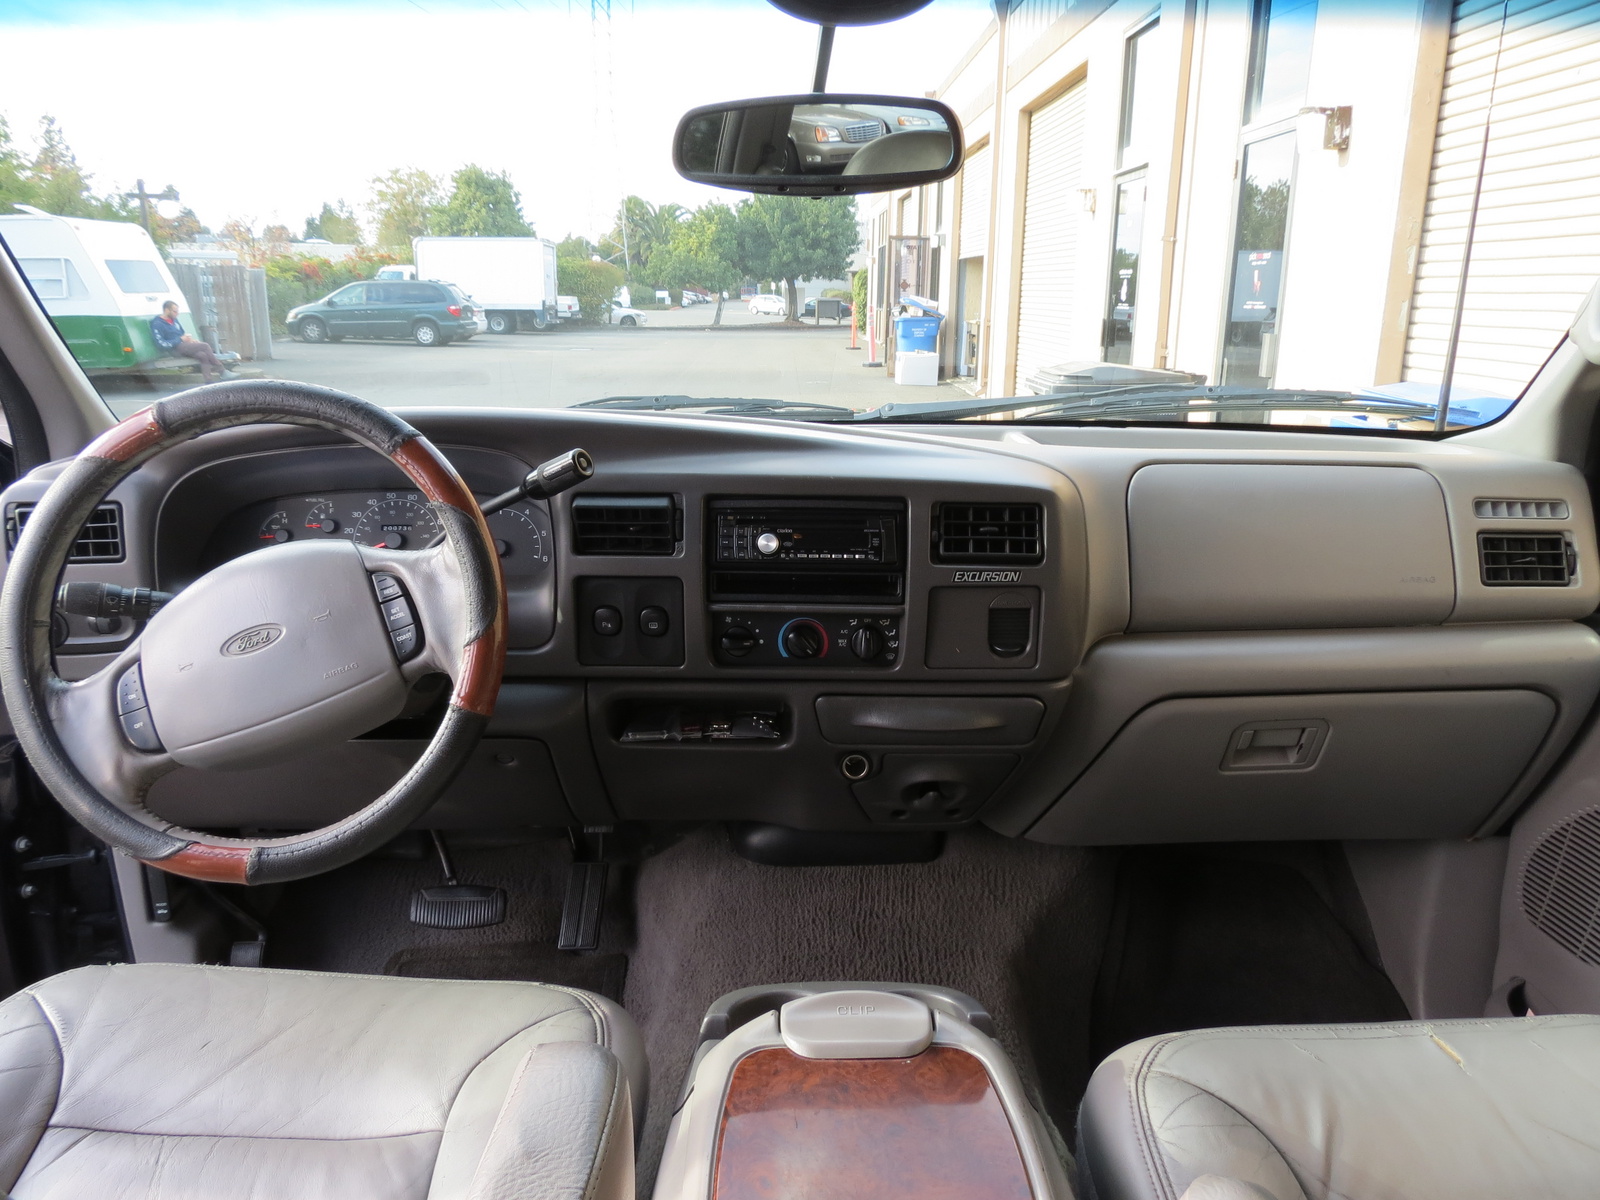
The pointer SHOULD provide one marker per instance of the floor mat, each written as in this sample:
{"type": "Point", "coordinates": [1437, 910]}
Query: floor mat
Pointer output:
{"type": "Point", "coordinates": [533, 961]}
{"type": "Point", "coordinates": [1205, 938]}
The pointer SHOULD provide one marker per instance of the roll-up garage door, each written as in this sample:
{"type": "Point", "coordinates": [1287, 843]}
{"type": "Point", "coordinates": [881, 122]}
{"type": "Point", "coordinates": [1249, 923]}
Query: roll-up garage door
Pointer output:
{"type": "Point", "coordinates": [1537, 248]}
{"type": "Point", "coordinates": [1052, 206]}
{"type": "Point", "coordinates": [975, 203]}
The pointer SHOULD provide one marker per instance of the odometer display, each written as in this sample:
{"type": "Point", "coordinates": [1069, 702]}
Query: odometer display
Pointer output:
{"type": "Point", "coordinates": [398, 522]}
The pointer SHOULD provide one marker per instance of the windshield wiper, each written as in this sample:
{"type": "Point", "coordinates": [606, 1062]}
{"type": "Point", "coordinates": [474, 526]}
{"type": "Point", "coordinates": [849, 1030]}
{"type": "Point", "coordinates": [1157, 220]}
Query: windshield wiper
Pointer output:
{"type": "Point", "coordinates": [1143, 403]}
{"type": "Point", "coordinates": [719, 406]}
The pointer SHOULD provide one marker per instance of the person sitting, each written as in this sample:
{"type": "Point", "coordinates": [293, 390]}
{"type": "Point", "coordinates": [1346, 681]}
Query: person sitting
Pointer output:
{"type": "Point", "coordinates": [170, 336]}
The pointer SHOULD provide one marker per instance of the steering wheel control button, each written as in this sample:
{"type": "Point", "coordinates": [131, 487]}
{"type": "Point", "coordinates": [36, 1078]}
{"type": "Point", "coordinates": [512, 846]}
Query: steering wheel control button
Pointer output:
{"type": "Point", "coordinates": [608, 621]}
{"type": "Point", "coordinates": [653, 621]}
{"type": "Point", "coordinates": [139, 730]}
{"type": "Point", "coordinates": [397, 613]}
{"type": "Point", "coordinates": [130, 691]}
{"type": "Point", "coordinates": [388, 587]}
{"type": "Point", "coordinates": [406, 642]}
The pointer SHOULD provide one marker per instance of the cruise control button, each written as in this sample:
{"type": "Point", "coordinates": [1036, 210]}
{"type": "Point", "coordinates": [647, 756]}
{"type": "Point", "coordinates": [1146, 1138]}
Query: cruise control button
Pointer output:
{"type": "Point", "coordinates": [653, 621]}
{"type": "Point", "coordinates": [397, 612]}
{"type": "Point", "coordinates": [137, 728]}
{"type": "Point", "coordinates": [607, 621]}
{"type": "Point", "coordinates": [130, 691]}
{"type": "Point", "coordinates": [388, 587]}
{"type": "Point", "coordinates": [405, 641]}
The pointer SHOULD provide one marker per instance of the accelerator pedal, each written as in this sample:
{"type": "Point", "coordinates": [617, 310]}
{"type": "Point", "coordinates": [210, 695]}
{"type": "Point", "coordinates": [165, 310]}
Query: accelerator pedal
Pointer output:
{"type": "Point", "coordinates": [456, 905]}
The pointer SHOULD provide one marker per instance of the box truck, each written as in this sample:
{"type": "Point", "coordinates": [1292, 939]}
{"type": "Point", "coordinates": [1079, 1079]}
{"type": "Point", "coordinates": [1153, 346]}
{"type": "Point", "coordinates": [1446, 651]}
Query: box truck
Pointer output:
{"type": "Point", "coordinates": [101, 282]}
{"type": "Point", "coordinates": [512, 280]}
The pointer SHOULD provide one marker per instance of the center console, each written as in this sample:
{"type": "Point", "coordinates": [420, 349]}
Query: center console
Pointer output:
{"type": "Point", "coordinates": [838, 1089]}
{"type": "Point", "coordinates": [806, 583]}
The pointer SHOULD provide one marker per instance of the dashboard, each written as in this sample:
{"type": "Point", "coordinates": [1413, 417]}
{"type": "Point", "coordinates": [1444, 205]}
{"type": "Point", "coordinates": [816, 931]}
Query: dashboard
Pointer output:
{"type": "Point", "coordinates": [1081, 635]}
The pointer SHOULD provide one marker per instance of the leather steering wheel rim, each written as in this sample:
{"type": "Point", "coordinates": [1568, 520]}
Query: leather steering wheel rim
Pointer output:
{"type": "Point", "coordinates": [32, 688]}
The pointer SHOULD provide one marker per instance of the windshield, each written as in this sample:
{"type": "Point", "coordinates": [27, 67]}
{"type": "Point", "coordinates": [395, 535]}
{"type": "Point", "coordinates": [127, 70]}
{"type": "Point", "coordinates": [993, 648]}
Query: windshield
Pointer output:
{"type": "Point", "coordinates": [1254, 212]}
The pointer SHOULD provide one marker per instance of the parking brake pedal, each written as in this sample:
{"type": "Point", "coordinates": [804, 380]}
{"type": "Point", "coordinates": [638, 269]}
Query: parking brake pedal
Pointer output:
{"type": "Point", "coordinates": [455, 905]}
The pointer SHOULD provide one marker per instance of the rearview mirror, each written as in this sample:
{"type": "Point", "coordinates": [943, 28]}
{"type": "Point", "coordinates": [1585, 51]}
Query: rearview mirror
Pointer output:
{"type": "Point", "coordinates": [819, 144]}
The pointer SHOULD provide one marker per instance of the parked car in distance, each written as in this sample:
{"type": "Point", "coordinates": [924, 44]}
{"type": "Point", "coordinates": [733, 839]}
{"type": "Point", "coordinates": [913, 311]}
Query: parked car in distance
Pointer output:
{"type": "Point", "coordinates": [810, 307]}
{"type": "Point", "coordinates": [567, 307]}
{"type": "Point", "coordinates": [621, 314]}
{"type": "Point", "coordinates": [397, 271]}
{"type": "Point", "coordinates": [769, 305]}
{"type": "Point", "coordinates": [428, 312]}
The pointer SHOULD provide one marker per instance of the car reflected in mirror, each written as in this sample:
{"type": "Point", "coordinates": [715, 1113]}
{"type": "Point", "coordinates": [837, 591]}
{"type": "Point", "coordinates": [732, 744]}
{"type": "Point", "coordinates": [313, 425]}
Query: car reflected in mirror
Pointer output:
{"type": "Point", "coordinates": [819, 144]}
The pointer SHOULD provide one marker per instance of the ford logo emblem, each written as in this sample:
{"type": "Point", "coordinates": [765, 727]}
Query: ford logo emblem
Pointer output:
{"type": "Point", "coordinates": [248, 641]}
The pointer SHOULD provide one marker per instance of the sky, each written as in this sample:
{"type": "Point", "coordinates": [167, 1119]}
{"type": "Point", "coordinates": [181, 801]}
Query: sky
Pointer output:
{"type": "Point", "coordinates": [263, 111]}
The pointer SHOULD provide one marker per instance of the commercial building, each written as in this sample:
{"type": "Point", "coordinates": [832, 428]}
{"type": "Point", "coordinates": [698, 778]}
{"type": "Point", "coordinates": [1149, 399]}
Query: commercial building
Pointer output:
{"type": "Point", "coordinates": [1263, 192]}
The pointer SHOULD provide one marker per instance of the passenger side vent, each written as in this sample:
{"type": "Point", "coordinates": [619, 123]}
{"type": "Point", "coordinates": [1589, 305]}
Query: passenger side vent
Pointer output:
{"type": "Point", "coordinates": [988, 533]}
{"type": "Point", "coordinates": [625, 525]}
{"type": "Point", "coordinates": [99, 541]}
{"type": "Point", "coordinates": [1553, 510]}
{"type": "Point", "coordinates": [1561, 886]}
{"type": "Point", "coordinates": [1526, 560]}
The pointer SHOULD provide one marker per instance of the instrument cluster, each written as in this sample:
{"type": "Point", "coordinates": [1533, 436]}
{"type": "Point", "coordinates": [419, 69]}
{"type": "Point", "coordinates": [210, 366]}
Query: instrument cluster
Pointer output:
{"type": "Point", "coordinates": [397, 520]}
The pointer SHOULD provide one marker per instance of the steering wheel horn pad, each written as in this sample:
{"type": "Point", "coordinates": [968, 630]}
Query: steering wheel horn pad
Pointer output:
{"type": "Point", "coordinates": [270, 655]}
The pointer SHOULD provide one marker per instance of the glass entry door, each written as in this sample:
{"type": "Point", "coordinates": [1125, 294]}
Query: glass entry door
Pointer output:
{"type": "Point", "coordinates": [1250, 348]}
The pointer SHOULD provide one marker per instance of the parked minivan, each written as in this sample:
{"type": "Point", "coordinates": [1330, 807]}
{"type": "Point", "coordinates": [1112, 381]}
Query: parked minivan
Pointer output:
{"type": "Point", "coordinates": [428, 312]}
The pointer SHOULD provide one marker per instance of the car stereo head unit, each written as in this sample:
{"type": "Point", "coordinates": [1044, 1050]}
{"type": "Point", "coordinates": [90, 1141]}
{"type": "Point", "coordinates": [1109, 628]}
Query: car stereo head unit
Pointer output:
{"type": "Point", "coordinates": [844, 550]}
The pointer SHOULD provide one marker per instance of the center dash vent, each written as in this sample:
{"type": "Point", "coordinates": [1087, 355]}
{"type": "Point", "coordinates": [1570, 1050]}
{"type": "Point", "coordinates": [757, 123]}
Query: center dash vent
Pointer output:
{"type": "Point", "coordinates": [100, 540]}
{"type": "Point", "coordinates": [1561, 885]}
{"type": "Point", "coordinates": [988, 533]}
{"type": "Point", "coordinates": [625, 525]}
{"type": "Point", "coordinates": [1527, 510]}
{"type": "Point", "coordinates": [1526, 560]}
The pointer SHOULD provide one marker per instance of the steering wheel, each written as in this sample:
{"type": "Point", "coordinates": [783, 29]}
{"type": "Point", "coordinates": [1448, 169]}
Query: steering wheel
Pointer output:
{"type": "Point", "coordinates": [270, 655]}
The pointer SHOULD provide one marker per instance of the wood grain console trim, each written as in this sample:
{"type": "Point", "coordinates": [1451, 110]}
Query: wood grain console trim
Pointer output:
{"type": "Point", "coordinates": [929, 1127]}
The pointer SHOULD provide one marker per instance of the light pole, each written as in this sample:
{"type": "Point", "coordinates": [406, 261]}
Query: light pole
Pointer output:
{"type": "Point", "coordinates": [144, 198]}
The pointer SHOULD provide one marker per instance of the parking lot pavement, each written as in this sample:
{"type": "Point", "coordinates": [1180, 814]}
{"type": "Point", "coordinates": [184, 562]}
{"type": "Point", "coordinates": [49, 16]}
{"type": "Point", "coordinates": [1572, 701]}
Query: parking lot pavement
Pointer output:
{"type": "Point", "coordinates": [562, 367]}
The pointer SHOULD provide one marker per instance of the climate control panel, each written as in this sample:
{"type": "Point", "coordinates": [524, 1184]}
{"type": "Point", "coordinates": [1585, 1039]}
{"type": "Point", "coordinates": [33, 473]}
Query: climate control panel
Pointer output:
{"type": "Point", "coordinates": [767, 639]}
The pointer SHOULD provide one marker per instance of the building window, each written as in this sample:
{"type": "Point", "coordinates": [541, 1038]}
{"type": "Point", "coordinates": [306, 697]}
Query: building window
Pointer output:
{"type": "Point", "coordinates": [1138, 110]}
{"type": "Point", "coordinates": [1280, 58]}
{"type": "Point", "coordinates": [1116, 340]}
{"type": "Point", "coordinates": [1250, 350]}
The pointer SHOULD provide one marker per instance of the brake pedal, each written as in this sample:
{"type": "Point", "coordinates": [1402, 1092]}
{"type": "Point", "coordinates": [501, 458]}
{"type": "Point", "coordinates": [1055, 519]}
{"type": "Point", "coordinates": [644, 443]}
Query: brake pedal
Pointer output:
{"type": "Point", "coordinates": [455, 905]}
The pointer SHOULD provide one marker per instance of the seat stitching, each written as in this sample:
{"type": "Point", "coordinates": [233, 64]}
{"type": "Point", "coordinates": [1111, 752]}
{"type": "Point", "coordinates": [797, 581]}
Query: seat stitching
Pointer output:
{"type": "Point", "coordinates": [245, 1137]}
{"type": "Point", "coordinates": [1144, 1128]}
{"type": "Point", "coordinates": [61, 1075]}
{"type": "Point", "coordinates": [1287, 1160]}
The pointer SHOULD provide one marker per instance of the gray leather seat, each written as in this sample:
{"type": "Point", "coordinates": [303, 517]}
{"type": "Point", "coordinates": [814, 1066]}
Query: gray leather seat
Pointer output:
{"type": "Point", "coordinates": [160, 1081]}
{"type": "Point", "coordinates": [1441, 1110]}
{"type": "Point", "coordinates": [916, 150]}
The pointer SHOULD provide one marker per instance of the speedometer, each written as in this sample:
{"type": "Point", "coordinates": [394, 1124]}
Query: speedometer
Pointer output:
{"type": "Point", "coordinates": [398, 523]}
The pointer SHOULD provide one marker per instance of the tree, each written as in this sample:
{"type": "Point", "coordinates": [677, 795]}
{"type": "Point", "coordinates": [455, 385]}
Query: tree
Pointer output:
{"type": "Point", "coordinates": [700, 251]}
{"type": "Point", "coordinates": [240, 236]}
{"type": "Point", "coordinates": [642, 228]}
{"type": "Point", "coordinates": [481, 204]}
{"type": "Point", "coordinates": [184, 227]}
{"type": "Point", "coordinates": [16, 185]}
{"type": "Point", "coordinates": [402, 202]}
{"type": "Point", "coordinates": [794, 237]}
{"type": "Point", "coordinates": [335, 223]}
{"type": "Point", "coordinates": [60, 185]}
{"type": "Point", "coordinates": [275, 240]}
{"type": "Point", "coordinates": [593, 283]}
{"type": "Point", "coordinates": [576, 246]}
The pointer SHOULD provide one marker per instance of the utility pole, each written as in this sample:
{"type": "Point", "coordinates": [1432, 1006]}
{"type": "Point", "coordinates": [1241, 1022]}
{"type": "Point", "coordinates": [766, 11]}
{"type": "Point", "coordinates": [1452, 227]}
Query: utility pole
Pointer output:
{"type": "Point", "coordinates": [144, 198]}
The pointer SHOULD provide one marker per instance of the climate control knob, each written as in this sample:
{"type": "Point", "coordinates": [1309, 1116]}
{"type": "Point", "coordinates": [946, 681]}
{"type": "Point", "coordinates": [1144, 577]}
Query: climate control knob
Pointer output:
{"type": "Point", "coordinates": [866, 643]}
{"type": "Point", "coordinates": [804, 639]}
{"type": "Point", "coordinates": [737, 641]}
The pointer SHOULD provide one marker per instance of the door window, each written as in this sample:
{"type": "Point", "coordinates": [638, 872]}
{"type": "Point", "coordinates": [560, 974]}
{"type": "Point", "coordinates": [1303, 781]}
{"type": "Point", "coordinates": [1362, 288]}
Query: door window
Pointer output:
{"type": "Point", "coordinates": [1126, 236]}
{"type": "Point", "coordinates": [355, 294]}
{"type": "Point", "coordinates": [1280, 58]}
{"type": "Point", "coordinates": [136, 275]}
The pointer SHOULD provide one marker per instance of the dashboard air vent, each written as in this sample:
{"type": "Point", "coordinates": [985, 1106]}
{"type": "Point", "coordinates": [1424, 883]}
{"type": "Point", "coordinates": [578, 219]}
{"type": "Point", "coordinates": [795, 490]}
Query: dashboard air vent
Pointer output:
{"type": "Point", "coordinates": [1561, 885]}
{"type": "Point", "coordinates": [988, 533]}
{"type": "Point", "coordinates": [1525, 560]}
{"type": "Point", "coordinates": [625, 525]}
{"type": "Point", "coordinates": [99, 541]}
{"type": "Point", "coordinates": [1552, 510]}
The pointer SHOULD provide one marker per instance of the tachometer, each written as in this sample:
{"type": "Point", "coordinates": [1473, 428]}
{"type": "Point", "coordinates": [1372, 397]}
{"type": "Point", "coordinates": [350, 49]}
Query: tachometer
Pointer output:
{"type": "Point", "coordinates": [521, 536]}
{"type": "Point", "coordinates": [398, 523]}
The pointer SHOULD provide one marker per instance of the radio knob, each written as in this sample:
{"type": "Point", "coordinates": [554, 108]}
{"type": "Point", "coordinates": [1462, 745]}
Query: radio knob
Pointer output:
{"type": "Point", "coordinates": [804, 639]}
{"type": "Point", "coordinates": [767, 543]}
{"type": "Point", "coordinates": [866, 643]}
{"type": "Point", "coordinates": [737, 641]}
